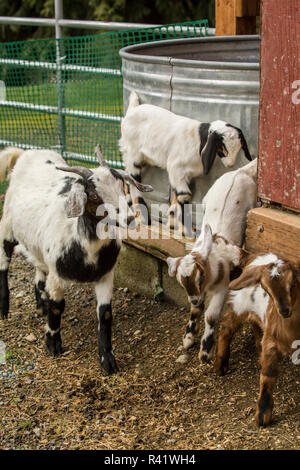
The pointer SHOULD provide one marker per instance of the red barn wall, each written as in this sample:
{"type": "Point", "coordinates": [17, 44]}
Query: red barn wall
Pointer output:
{"type": "Point", "coordinates": [279, 126]}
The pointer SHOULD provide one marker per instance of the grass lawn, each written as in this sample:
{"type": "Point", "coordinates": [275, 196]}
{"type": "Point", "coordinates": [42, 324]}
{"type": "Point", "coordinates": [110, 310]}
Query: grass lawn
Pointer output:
{"type": "Point", "coordinates": [99, 94]}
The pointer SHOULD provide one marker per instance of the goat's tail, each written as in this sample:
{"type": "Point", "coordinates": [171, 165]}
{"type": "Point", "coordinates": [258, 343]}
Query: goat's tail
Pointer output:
{"type": "Point", "coordinates": [133, 101]}
{"type": "Point", "coordinates": [8, 158]}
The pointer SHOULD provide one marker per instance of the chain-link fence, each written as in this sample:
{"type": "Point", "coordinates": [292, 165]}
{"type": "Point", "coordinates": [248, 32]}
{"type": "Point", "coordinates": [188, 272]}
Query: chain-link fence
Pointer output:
{"type": "Point", "coordinates": [67, 94]}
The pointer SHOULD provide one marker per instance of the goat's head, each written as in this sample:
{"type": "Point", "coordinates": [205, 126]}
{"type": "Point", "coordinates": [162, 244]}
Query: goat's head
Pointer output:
{"type": "Point", "coordinates": [278, 278]}
{"type": "Point", "coordinates": [100, 192]}
{"type": "Point", "coordinates": [192, 270]}
{"type": "Point", "coordinates": [224, 140]}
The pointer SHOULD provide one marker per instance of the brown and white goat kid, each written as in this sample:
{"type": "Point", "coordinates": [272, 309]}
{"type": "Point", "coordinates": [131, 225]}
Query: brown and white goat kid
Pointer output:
{"type": "Point", "coordinates": [267, 295]}
{"type": "Point", "coordinates": [205, 272]}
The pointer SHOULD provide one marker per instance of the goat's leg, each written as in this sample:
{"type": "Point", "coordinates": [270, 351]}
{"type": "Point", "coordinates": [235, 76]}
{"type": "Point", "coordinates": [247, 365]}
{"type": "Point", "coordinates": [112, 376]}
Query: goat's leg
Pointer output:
{"type": "Point", "coordinates": [257, 336]}
{"type": "Point", "coordinates": [54, 307]}
{"type": "Point", "coordinates": [230, 324]}
{"type": "Point", "coordinates": [269, 372]}
{"type": "Point", "coordinates": [104, 290]}
{"type": "Point", "coordinates": [192, 327]}
{"type": "Point", "coordinates": [211, 317]}
{"type": "Point", "coordinates": [180, 213]}
{"type": "Point", "coordinates": [135, 199]}
{"type": "Point", "coordinates": [7, 244]}
{"type": "Point", "coordinates": [39, 289]}
{"type": "Point", "coordinates": [172, 212]}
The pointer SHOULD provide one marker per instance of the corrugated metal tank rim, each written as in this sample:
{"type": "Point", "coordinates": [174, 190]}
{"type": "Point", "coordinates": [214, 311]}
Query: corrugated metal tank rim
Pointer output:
{"type": "Point", "coordinates": [206, 79]}
{"type": "Point", "coordinates": [135, 53]}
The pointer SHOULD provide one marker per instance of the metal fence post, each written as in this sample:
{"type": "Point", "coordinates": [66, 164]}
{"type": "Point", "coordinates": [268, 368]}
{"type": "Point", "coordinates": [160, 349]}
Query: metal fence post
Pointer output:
{"type": "Point", "coordinates": [58, 5]}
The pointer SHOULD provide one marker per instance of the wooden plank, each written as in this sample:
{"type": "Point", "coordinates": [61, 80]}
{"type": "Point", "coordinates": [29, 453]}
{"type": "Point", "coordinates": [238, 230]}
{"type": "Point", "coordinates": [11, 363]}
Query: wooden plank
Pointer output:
{"type": "Point", "coordinates": [273, 230]}
{"type": "Point", "coordinates": [279, 130]}
{"type": "Point", "coordinates": [225, 18]}
{"type": "Point", "coordinates": [246, 25]}
{"type": "Point", "coordinates": [158, 242]}
{"type": "Point", "coordinates": [247, 8]}
{"type": "Point", "coordinates": [236, 17]}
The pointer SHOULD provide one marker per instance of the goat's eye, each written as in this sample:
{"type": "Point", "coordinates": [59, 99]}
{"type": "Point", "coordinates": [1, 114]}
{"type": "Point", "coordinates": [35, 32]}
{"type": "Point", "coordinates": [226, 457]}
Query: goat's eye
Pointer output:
{"type": "Point", "coordinates": [94, 197]}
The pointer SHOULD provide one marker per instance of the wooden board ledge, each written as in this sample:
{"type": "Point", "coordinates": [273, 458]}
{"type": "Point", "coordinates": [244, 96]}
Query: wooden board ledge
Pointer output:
{"type": "Point", "coordinates": [273, 230]}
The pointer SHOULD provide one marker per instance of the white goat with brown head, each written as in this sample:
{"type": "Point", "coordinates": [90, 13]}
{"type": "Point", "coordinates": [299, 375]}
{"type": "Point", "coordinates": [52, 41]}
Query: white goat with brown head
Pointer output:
{"type": "Point", "coordinates": [205, 273]}
{"type": "Point", "coordinates": [267, 295]}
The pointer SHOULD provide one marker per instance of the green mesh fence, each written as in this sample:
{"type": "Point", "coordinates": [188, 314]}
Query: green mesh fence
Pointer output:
{"type": "Point", "coordinates": [67, 94]}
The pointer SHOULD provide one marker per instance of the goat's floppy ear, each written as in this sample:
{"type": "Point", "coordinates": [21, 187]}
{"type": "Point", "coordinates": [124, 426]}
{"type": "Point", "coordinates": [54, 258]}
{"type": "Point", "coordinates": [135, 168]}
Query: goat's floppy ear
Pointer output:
{"type": "Point", "coordinates": [250, 276]}
{"type": "Point", "coordinates": [210, 150]}
{"type": "Point", "coordinates": [203, 133]}
{"type": "Point", "coordinates": [76, 201]}
{"type": "Point", "coordinates": [172, 265]}
{"type": "Point", "coordinates": [296, 270]}
{"type": "Point", "coordinates": [243, 142]}
{"type": "Point", "coordinates": [206, 244]}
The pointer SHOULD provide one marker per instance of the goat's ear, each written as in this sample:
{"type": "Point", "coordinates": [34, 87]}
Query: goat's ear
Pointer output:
{"type": "Point", "coordinates": [243, 141]}
{"type": "Point", "coordinates": [172, 265]}
{"type": "Point", "coordinates": [296, 270]}
{"type": "Point", "coordinates": [244, 145]}
{"type": "Point", "coordinates": [244, 257]}
{"type": "Point", "coordinates": [76, 201]}
{"type": "Point", "coordinates": [250, 276]}
{"type": "Point", "coordinates": [209, 152]}
{"type": "Point", "coordinates": [207, 241]}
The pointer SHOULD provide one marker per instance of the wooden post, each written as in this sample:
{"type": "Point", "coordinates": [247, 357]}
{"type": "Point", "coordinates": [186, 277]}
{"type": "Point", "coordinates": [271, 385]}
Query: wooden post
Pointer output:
{"type": "Point", "coordinates": [271, 228]}
{"type": "Point", "coordinates": [279, 134]}
{"type": "Point", "coordinates": [236, 17]}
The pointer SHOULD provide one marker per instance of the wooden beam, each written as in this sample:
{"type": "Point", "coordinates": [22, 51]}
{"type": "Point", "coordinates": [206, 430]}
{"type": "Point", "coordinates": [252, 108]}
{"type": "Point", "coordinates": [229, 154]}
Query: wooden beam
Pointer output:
{"type": "Point", "coordinates": [247, 8]}
{"type": "Point", "coordinates": [279, 110]}
{"type": "Point", "coordinates": [273, 230]}
{"type": "Point", "coordinates": [159, 242]}
{"type": "Point", "coordinates": [236, 17]}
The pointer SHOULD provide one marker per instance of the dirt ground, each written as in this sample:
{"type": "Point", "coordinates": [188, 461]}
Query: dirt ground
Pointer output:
{"type": "Point", "coordinates": [152, 403]}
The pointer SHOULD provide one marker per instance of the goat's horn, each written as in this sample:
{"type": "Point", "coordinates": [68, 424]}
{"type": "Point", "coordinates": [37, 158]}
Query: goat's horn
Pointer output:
{"type": "Point", "coordinates": [99, 156]}
{"type": "Point", "coordinates": [79, 170]}
{"type": "Point", "coordinates": [144, 188]}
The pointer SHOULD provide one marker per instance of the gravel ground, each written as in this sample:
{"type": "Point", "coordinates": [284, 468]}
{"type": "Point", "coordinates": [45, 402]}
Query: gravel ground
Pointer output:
{"type": "Point", "coordinates": [152, 403]}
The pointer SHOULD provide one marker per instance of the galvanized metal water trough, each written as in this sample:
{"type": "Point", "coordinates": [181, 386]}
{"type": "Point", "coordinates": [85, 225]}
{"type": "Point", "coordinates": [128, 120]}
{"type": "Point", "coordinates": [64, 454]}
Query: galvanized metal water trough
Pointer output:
{"type": "Point", "coordinates": [203, 78]}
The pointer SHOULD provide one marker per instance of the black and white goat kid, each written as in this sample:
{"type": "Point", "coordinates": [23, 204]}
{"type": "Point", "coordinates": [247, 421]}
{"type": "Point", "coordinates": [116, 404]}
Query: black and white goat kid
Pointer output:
{"type": "Point", "coordinates": [185, 147]}
{"type": "Point", "coordinates": [54, 217]}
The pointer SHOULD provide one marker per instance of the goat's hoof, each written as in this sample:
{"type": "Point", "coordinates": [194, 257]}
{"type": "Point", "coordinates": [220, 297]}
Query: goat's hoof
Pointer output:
{"type": "Point", "coordinates": [108, 362]}
{"type": "Point", "coordinates": [4, 310]}
{"type": "Point", "coordinates": [188, 341]}
{"type": "Point", "coordinates": [41, 311]}
{"type": "Point", "coordinates": [3, 315]}
{"type": "Point", "coordinates": [221, 367]}
{"type": "Point", "coordinates": [53, 344]}
{"type": "Point", "coordinates": [204, 356]}
{"type": "Point", "coordinates": [263, 418]}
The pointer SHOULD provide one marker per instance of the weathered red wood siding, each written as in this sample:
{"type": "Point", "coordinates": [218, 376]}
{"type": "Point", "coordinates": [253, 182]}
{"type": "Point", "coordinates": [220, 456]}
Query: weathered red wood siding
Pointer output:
{"type": "Point", "coordinates": [279, 127]}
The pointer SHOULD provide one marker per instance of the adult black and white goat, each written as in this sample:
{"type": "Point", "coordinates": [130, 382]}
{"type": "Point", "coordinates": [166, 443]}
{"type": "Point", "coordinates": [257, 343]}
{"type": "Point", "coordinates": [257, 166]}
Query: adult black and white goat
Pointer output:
{"type": "Point", "coordinates": [55, 217]}
{"type": "Point", "coordinates": [185, 147]}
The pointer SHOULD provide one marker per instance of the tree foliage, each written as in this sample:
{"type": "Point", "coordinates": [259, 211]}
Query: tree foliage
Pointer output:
{"type": "Point", "coordinates": [141, 11]}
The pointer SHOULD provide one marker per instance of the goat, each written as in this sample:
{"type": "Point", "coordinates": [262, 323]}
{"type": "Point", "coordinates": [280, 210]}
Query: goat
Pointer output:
{"type": "Point", "coordinates": [267, 295]}
{"type": "Point", "coordinates": [185, 147]}
{"type": "Point", "coordinates": [226, 205]}
{"type": "Point", "coordinates": [205, 271]}
{"type": "Point", "coordinates": [56, 219]}
{"type": "Point", "coordinates": [227, 202]}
